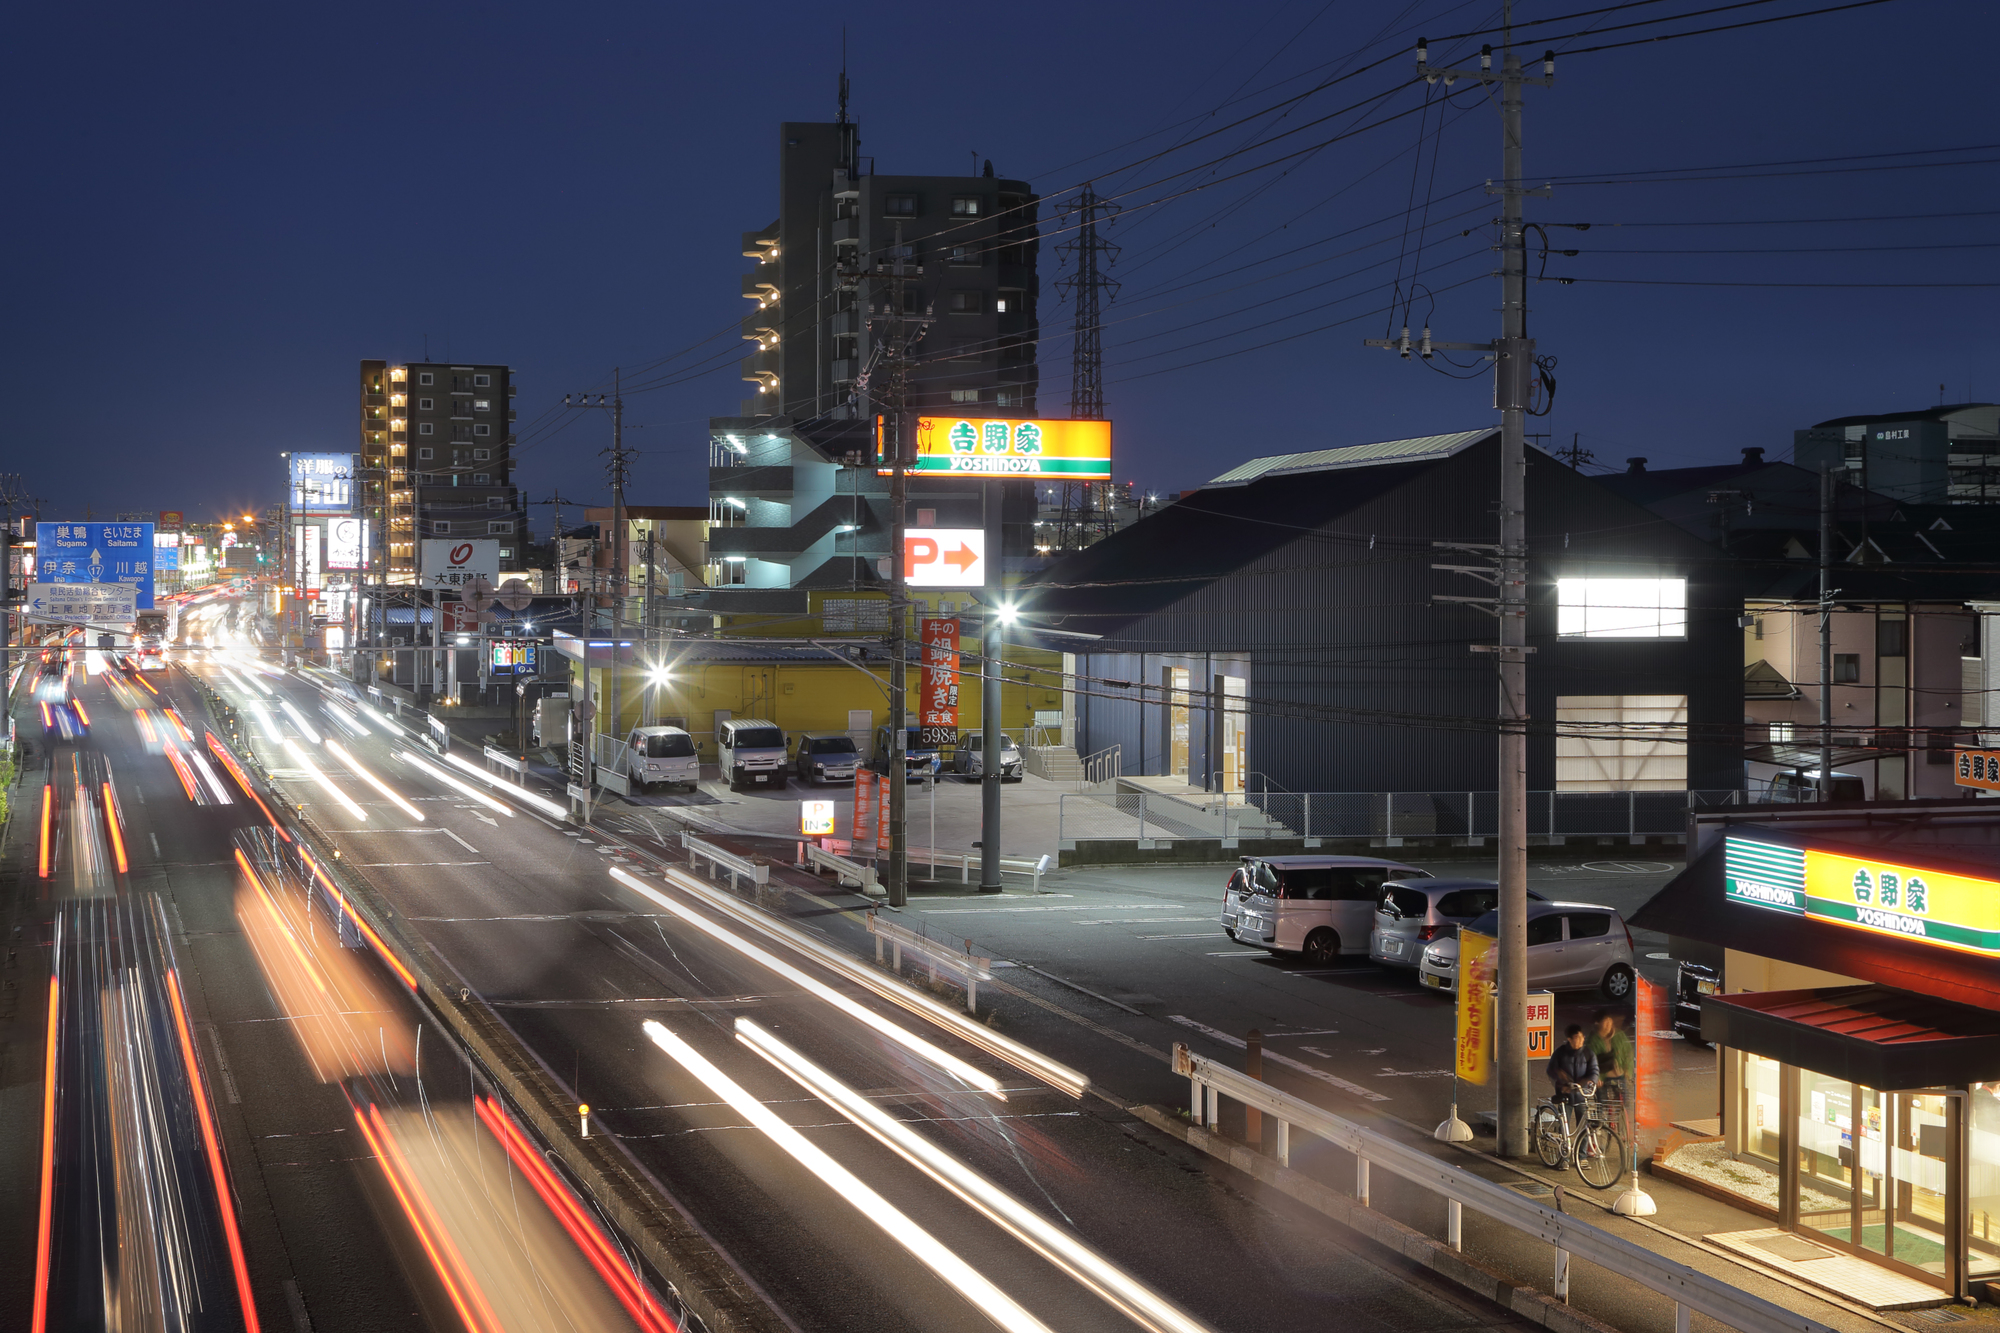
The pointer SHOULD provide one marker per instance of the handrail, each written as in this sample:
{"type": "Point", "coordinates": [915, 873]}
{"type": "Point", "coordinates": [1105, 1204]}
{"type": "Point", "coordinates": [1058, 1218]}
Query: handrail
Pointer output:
{"type": "Point", "coordinates": [964, 860]}
{"type": "Point", "coordinates": [843, 868]}
{"type": "Point", "coordinates": [1107, 765]}
{"type": "Point", "coordinates": [1687, 1287]}
{"type": "Point", "coordinates": [970, 967]}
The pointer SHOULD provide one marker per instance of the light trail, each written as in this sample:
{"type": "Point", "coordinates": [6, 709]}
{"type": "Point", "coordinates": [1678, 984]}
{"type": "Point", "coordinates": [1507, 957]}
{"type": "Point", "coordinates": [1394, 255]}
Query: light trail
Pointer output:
{"type": "Point", "coordinates": [1114, 1285]}
{"type": "Point", "coordinates": [438, 774]}
{"type": "Point", "coordinates": [184, 773]}
{"type": "Point", "coordinates": [300, 758]}
{"type": "Point", "coordinates": [82, 716]}
{"type": "Point", "coordinates": [210, 779]}
{"type": "Point", "coordinates": [962, 1277]}
{"type": "Point", "coordinates": [111, 821]}
{"type": "Point", "coordinates": [42, 1234]}
{"type": "Point", "coordinates": [367, 931]}
{"type": "Point", "coordinates": [396, 1161]}
{"type": "Point", "coordinates": [242, 780]}
{"type": "Point", "coordinates": [224, 1201]}
{"type": "Point", "coordinates": [299, 721]}
{"type": "Point", "coordinates": [343, 721]}
{"type": "Point", "coordinates": [542, 803]}
{"type": "Point", "coordinates": [909, 1041]}
{"type": "Point", "coordinates": [48, 816]}
{"type": "Point", "coordinates": [354, 765]}
{"type": "Point", "coordinates": [582, 1228]}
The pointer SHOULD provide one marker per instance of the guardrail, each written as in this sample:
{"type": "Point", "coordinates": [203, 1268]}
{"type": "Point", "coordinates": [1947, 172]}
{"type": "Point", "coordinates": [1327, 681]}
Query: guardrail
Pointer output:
{"type": "Point", "coordinates": [515, 764]}
{"type": "Point", "coordinates": [967, 966]}
{"type": "Point", "coordinates": [718, 860]}
{"type": "Point", "coordinates": [966, 860]}
{"type": "Point", "coordinates": [1689, 1289]}
{"type": "Point", "coordinates": [844, 869]}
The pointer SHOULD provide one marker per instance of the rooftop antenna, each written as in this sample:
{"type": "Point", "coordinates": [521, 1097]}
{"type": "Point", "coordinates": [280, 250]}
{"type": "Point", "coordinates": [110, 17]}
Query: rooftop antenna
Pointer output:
{"type": "Point", "coordinates": [841, 119]}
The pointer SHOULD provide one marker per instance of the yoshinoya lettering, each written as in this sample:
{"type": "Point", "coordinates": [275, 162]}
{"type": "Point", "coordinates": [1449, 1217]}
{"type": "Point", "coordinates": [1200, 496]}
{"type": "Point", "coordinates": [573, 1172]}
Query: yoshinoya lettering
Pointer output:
{"type": "Point", "coordinates": [1895, 921]}
{"type": "Point", "coordinates": [1765, 893]}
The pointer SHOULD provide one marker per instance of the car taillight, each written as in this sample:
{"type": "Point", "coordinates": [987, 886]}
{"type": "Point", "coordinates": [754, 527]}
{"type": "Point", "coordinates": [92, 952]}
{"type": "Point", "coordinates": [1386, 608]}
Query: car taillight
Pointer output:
{"type": "Point", "coordinates": [1628, 935]}
{"type": "Point", "coordinates": [1429, 932]}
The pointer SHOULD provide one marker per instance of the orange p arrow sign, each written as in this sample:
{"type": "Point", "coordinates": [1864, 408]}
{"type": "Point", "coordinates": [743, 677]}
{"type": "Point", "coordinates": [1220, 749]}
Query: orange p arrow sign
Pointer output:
{"type": "Point", "coordinates": [964, 557]}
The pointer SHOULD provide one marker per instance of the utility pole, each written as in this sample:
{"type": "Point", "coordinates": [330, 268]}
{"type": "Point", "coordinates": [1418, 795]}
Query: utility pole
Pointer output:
{"type": "Point", "coordinates": [1827, 492]}
{"type": "Point", "coordinates": [993, 505]}
{"type": "Point", "coordinates": [618, 468]}
{"type": "Point", "coordinates": [648, 716]}
{"type": "Point", "coordinates": [1513, 355]}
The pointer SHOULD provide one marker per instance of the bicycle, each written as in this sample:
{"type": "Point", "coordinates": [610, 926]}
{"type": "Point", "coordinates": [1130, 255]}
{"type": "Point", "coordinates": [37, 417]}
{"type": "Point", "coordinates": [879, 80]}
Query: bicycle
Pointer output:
{"type": "Point", "coordinates": [1590, 1144]}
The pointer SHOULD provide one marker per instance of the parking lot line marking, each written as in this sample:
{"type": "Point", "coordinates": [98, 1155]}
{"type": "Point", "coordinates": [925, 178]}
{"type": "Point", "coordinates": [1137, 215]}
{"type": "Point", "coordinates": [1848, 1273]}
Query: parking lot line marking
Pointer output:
{"type": "Point", "coordinates": [1139, 921]}
{"type": "Point", "coordinates": [1204, 935]}
{"type": "Point", "coordinates": [1238, 953]}
{"type": "Point", "coordinates": [1356, 1089]}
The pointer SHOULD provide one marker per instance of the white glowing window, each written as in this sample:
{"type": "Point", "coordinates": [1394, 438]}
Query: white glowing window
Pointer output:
{"type": "Point", "coordinates": [1621, 608]}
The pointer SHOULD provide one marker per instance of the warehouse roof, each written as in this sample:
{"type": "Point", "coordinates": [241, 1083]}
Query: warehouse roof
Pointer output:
{"type": "Point", "coordinates": [1422, 448]}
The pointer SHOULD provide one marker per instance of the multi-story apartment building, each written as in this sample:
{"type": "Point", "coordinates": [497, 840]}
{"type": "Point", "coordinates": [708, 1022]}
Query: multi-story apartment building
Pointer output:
{"type": "Point", "coordinates": [436, 460]}
{"type": "Point", "coordinates": [1935, 455]}
{"type": "Point", "coordinates": [793, 497]}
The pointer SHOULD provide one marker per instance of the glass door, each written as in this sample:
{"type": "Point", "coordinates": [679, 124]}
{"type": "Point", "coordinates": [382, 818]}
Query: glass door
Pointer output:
{"type": "Point", "coordinates": [1875, 1174]}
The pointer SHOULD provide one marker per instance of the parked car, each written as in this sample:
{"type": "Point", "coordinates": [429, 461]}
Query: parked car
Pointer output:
{"type": "Point", "coordinates": [1571, 946]}
{"type": "Point", "coordinates": [1795, 786]}
{"type": "Point", "coordinates": [662, 754]}
{"type": "Point", "coordinates": [918, 758]}
{"type": "Point", "coordinates": [1318, 906]}
{"type": "Point", "coordinates": [1411, 913]}
{"type": "Point", "coordinates": [971, 757]}
{"type": "Point", "coordinates": [750, 751]}
{"type": "Point", "coordinates": [826, 756]}
{"type": "Point", "coordinates": [1692, 981]}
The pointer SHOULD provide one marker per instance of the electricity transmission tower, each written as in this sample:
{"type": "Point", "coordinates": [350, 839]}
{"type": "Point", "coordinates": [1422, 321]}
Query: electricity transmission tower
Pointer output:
{"type": "Point", "coordinates": [1086, 512]}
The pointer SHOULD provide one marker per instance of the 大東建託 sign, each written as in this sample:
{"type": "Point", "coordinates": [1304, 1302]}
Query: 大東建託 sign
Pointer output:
{"type": "Point", "coordinates": [991, 446]}
{"type": "Point", "coordinates": [1939, 907]}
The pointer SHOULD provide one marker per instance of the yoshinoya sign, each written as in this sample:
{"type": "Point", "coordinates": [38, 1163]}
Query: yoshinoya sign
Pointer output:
{"type": "Point", "coordinates": [1941, 907]}
{"type": "Point", "coordinates": [1009, 447]}
{"type": "Point", "coordinates": [458, 564]}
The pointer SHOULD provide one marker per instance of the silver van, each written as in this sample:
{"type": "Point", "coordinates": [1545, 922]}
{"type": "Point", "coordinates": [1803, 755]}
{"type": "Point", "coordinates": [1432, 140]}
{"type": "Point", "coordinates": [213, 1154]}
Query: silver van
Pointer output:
{"type": "Point", "coordinates": [826, 756]}
{"type": "Point", "coordinates": [662, 754]}
{"type": "Point", "coordinates": [1410, 915]}
{"type": "Point", "coordinates": [1318, 906]}
{"type": "Point", "coordinates": [750, 753]}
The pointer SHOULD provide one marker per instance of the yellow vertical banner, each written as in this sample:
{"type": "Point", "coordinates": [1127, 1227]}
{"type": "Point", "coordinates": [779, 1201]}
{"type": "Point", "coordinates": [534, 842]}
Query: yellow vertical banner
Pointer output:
{"type": "Point", "coordinates": [1476, 959]}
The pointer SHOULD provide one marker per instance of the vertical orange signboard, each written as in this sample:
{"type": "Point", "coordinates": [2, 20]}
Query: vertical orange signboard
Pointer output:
{"type": "Point", "coordinates": [1476, 958]}
{"type": "Point", "coordinates": [1653, 1055]}
{"type": "Point", "coordinates": [864, 808]}
{"type": "Point", "coordinates": [937, 718]}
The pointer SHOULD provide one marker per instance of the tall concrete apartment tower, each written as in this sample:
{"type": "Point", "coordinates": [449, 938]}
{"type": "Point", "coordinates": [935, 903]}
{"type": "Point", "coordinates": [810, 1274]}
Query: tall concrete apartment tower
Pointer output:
{"type": "Point", "coordinates": [791, 505]}
{"type": "Point", "coordinates": [437, 460]}
{"type": "Point", "coordinates": [968, 245]}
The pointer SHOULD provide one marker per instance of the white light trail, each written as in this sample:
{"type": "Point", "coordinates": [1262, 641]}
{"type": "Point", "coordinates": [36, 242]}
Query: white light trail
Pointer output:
{"type": "Point", "coordinates": [437, 774]}
{"type": "Point", "coordinates": [300, 757]}
{"type": "Point", "coordinates": [962, 1277]}
{"type": "Point", "coordinates": [541, 803]}
{"type": "Point", "coordinates": [210, 777]}
{"type": "Point", "coordinates": [909, 1041]}
{"type": "Point", "coordinates": [299, 721]}
{"type": "Point", "coordinates": [333, 746]}
{"type": "Point", "coordinates": [1126, 1293]}
{"type": "Point", "coordinates": [352, 726]}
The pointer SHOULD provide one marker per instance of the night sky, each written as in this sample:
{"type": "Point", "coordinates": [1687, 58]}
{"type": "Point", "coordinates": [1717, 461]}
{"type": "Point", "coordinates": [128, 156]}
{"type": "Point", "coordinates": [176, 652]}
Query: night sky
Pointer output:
{"type": "Point", "coordinates": [215, 211]}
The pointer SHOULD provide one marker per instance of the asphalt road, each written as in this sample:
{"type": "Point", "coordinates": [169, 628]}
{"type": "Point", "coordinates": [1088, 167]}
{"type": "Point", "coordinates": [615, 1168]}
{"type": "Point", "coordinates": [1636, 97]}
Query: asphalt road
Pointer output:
{"type": "Point", "coordinates": [526, 912]}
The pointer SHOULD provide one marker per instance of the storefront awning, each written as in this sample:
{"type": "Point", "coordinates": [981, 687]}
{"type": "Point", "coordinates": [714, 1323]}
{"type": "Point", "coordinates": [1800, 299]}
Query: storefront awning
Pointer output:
{"type": "Point", "coordinates": [1871, 1035]}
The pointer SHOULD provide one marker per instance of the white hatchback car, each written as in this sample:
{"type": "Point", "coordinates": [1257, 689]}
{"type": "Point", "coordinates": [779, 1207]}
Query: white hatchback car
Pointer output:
{"type": "Point", "coordinates": [1319, 906]}
{"type": "Point", "coordinates": [1571, 946]}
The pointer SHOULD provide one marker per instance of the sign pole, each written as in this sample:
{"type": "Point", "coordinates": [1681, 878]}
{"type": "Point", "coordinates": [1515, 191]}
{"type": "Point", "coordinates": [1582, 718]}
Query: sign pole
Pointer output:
{"type": "Point", "coordinates": [992, 506]}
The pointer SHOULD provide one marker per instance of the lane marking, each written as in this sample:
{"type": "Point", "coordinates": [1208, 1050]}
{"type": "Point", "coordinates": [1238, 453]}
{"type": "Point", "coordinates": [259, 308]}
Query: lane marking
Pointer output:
{"type": "Point", "coordinates": [1204, 935]}
{"type": "Point", "coordinates": [1355, 1088]}
{"type": "Point", "coordinates": [460, 841]}
{"type": "Point", "coordinates": [1140, 921]}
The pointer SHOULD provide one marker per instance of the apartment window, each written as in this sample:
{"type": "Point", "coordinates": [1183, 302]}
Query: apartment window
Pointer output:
{"type": "Point", "coordinates": [426, 428]}
{"type": "Point", "coordinates": [482, 479]}
{"type": "Point", "coordinates": [899, 205]}
{"type": "Point", "coordinates": [441, 526]}
{"type": "Point", "coordinates": [482, 381]}
{"type": "Point", "coordinates": [424, 377]}
{"type": "Point", "coordinates": [735, 571]}
{"type": "Point", "coordinates": [1011, 254]}
{"type": "Point", "coordinates": [927, 518]}
{"type": "Point", "coordinates": [425, 454]}
{"type": "Point", "coordinates": [1621, 608]}
{"type": "Point", "coordinates": [965, 256]}
{"type": "Point", "coordinates": [500, 526]}
{"type": "Point", "coordinates": [966, 206]}
{"type": "Point", "coordinates": [965, 395]}
{"type": "Point", "coordinates": [482, 429]}
{"type": "Point", "coordinates": [481, 455]}
{"type": "Point", "coordinates": [482, 404]}
{"type": "Point", "coordinates": [425, 404]}
{"type": "Point", "coordinates": [968, 303]}
{"type": "Point", "coordinates": [1847, 668]}
{"type": "Point", "coordinates": [1010, 301]}
{"type": "Point", "coordinates": [1892, 638]}
{"type": "Point", "coordinates": [506, 553]}
{"type": "Point", "coordinates": [494, 501]}
{"type": "Point", "coordinates": [1009, 398]}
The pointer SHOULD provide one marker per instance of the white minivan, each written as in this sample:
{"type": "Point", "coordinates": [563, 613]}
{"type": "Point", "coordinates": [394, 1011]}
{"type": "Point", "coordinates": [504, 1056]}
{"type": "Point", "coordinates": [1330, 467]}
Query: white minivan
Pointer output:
{"type": "Point", "coordinates": [1318, 906]}
{"type": "Point", "coordinates": [751, 752]}
{"type": "Point", "coordinates": [662, 754]}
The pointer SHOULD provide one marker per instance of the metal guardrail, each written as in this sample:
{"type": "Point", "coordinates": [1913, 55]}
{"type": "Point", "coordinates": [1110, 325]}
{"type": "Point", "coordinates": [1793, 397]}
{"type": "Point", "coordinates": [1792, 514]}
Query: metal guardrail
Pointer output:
{"type": "Point", "coordinates": [719, 860]}
{"type": "Point", "coordinates": [1688, 1288]}
{"type": "Point", "coordinates": [515, 764]}
{"type": "Point", "coordinates": [966, 860]}
{"type": "Point", "coordinates": [968, 967]}
{"type": "Point", "coordinates": [844, 869]}
{"type": "Point", "coordinates": [1385, 817]}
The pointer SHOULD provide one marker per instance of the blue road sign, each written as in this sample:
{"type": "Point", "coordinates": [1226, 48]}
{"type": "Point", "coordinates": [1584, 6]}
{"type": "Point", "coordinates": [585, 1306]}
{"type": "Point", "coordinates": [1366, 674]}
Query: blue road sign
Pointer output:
{"type": "Point", "coordinates": [97, 553]}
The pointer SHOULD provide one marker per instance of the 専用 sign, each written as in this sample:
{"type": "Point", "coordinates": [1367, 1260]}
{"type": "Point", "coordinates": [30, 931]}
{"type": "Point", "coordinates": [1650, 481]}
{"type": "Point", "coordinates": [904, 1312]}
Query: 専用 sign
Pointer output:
{"type": "Point", "coordinates": [1010, 447]}
{"type": "Point", "coordinates": [1844, 888]}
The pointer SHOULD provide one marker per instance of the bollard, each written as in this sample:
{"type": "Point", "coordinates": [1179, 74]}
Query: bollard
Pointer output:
{"type": "Point", "coordinates": [1253, 1065]}
{"type": "Point", "coordinates": [583, 1115]}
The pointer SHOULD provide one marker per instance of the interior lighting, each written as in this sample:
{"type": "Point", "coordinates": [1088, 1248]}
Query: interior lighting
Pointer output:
{"type": "Point", "coordinates": [962, 1277]}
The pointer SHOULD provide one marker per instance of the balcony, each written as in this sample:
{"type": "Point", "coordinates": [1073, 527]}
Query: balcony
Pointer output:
{"type": "Point", "coordinates": [846, 231]}
{"type": "Point", "coordinates": [845, 368]}
{"type": "Point", "coordinates": [844, 323]}
{"type": "Point", "coordinates": [755, 480]}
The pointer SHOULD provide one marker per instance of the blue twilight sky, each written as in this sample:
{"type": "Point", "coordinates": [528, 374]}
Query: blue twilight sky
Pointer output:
{"type": "Point", "coordinates": [216, 210]}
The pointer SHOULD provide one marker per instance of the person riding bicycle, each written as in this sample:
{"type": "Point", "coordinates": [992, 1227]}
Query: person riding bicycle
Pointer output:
{"type": "Point", "coordinates": [1572, 1069]}
{"type": "Point", "coordinates": [1613, 1048]}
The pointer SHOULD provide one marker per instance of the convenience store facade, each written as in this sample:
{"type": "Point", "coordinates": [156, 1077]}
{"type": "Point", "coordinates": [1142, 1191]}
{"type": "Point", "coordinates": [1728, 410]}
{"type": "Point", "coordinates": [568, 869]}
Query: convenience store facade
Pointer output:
{"type": "Point", "coordinates": [1856, 1025]}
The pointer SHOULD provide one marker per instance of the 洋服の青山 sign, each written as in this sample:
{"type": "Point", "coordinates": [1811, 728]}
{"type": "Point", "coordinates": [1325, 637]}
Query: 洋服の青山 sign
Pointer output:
{"type": "Point", "coordinates": [1940, 907]}
{"type": "Point", "coordinates": [991, 446]}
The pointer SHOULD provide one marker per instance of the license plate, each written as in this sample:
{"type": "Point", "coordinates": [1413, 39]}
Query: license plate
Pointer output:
{"type": "Point", "coordinates": [1392, 946]}
{"type": "Point", "coordinates": [1430, 980]}
{"type": "Point", "coordinates": [1708, 987]}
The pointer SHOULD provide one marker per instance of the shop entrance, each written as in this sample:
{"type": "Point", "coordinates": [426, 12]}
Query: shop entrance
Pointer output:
{"type": "Point", "coordinates": [1876, 1173]}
